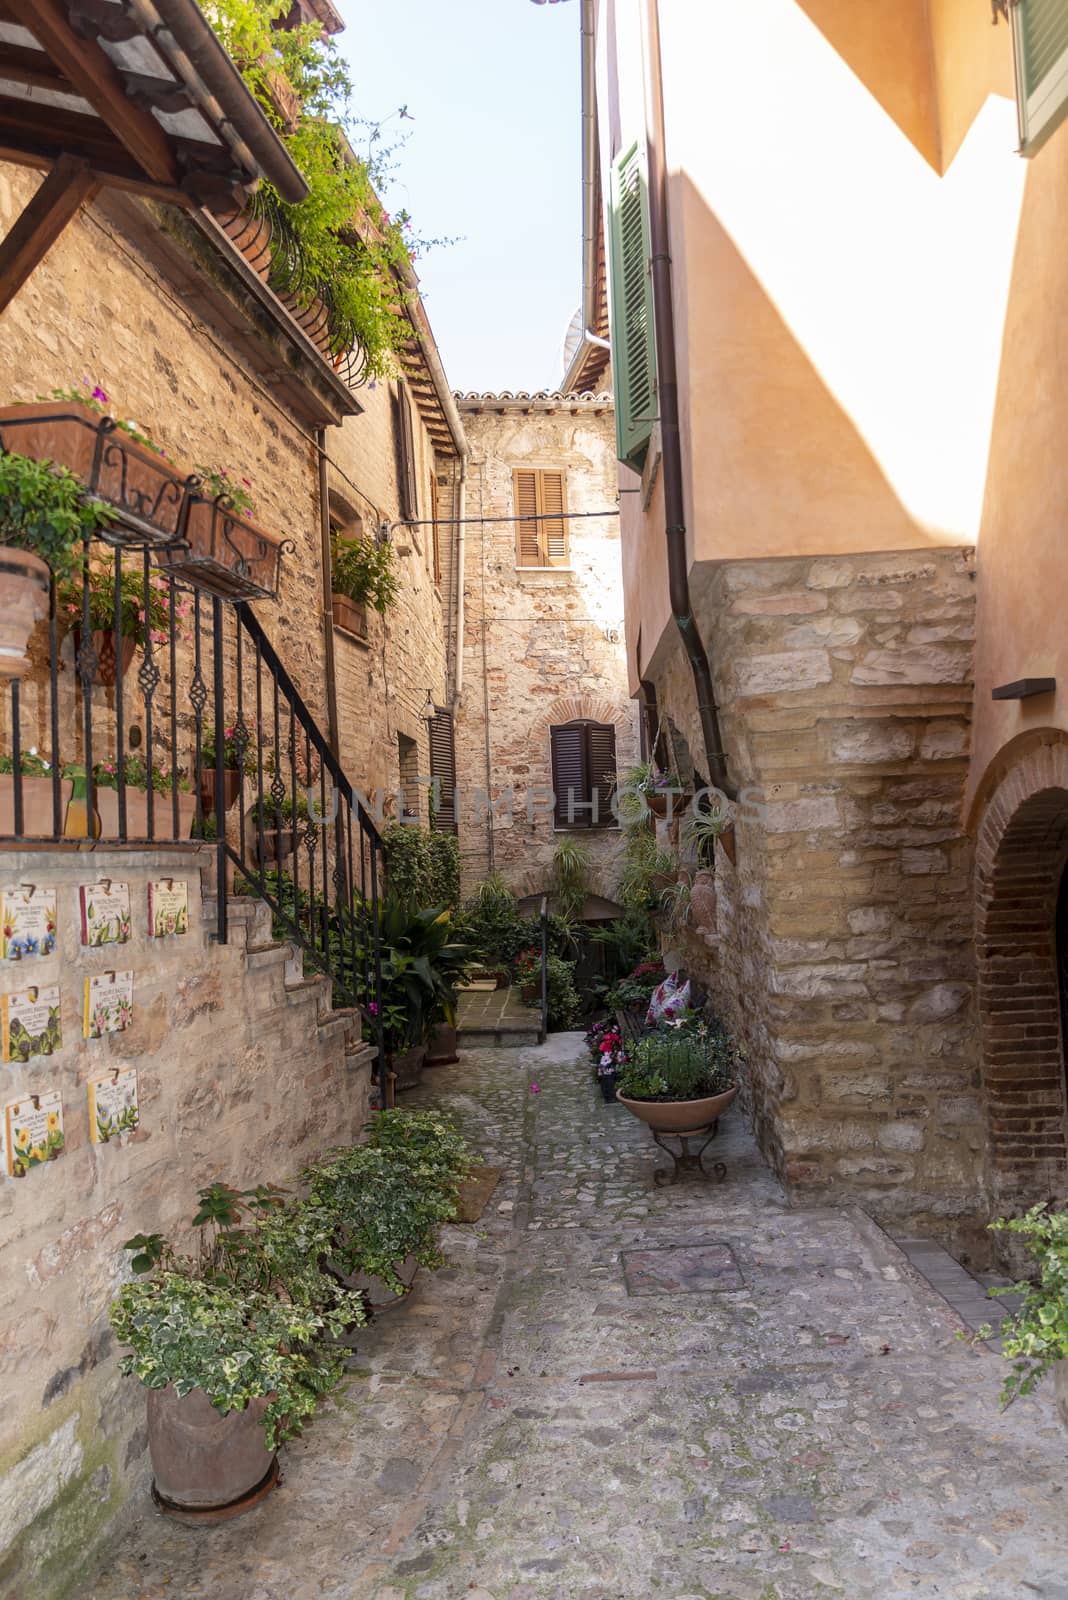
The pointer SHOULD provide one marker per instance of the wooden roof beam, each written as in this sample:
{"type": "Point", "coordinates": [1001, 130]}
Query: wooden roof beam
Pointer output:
{"type": "Point", "coordinates": [62, 194]}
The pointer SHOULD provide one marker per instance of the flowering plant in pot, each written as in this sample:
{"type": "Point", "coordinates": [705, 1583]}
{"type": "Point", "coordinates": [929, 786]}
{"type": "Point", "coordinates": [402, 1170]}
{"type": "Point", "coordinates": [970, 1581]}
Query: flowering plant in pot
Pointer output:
{"type": "Point", "coordinates": [528, 973]}
{"type": "Point", "coordinates": [610, 1055]}
{"type": "Point", "coordinates": [680, 1077]}
{"type": "Point", "coordinates": [136, 623]}
{"type": "Point", "coordinates": [1035, 1334]}
{"type": "Point", "coordinates": [645, 789]}
{"type": "Point", "coordinates": [138, 778]}
{"type": "Point", "coordinates": [233, 766]}
{"type": "Point", "coordinates": [45, 522]}
{"type": "Point", "coordinates": [235, 1344]}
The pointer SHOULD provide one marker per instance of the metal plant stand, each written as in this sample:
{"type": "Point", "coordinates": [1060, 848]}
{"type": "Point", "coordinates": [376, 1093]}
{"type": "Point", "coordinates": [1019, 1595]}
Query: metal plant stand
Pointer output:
{"type": "Point", "coordinates": [685, 1159]}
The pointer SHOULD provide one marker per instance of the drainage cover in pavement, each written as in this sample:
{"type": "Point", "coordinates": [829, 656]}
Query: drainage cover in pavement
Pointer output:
{"type": "Point", "coordinates": [682, 1269]}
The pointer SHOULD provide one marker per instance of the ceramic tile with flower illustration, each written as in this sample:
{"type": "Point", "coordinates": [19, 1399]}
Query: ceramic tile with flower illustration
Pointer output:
{"type": "Point", "coordinates": [27, 921]}
{"type": "Point", "coordinates": [105, 907]}
{"type": "Point", "coordinates": [108, 1003]}
{"type": "Point", "coordinates": [168, 908]}
{"type": "Point", "coordinates": [33, 1132]}
{"type": "Point", "coordinates": [113, 1109]}
{"type": "Point", "coordinates": [30, 1023]}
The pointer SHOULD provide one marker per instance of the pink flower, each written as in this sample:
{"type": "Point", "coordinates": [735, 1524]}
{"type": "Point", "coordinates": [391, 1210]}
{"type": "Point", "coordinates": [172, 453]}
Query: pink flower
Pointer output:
{"type": "Point", "coordinates": [534, 1089]}
{"type": "Point", "coordinates": [98, 394]}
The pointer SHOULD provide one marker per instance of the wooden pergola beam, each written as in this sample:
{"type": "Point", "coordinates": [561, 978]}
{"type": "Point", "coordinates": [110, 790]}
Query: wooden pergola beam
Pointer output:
{"type": "Point", "coordinates": [62, 194]}
{"type": "Point", "coordinates": [88, 69]}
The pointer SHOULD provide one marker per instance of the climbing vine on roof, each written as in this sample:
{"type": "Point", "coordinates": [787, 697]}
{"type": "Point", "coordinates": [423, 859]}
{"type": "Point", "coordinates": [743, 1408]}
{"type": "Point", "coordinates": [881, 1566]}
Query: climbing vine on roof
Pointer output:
{"type": "Point", "coordinates": [342, 247]}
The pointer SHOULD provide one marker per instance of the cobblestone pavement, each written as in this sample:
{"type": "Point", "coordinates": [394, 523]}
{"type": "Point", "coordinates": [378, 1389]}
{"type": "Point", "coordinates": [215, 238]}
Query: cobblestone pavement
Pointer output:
{"type": "Point", "coordinates": [617, 1392]}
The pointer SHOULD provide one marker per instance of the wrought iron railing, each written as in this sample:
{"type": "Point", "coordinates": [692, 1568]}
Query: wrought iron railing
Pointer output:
{"type": "Point", "coordinates": [205, 740]}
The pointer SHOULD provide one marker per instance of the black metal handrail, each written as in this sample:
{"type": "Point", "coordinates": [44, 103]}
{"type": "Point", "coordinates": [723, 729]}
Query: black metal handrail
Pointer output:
{"type": "Point", "coordinates": [209, 740]}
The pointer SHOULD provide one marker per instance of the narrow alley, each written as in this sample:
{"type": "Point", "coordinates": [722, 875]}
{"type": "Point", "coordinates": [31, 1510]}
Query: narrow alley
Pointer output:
{"type": "Point", "coordinates": [616, 1390]}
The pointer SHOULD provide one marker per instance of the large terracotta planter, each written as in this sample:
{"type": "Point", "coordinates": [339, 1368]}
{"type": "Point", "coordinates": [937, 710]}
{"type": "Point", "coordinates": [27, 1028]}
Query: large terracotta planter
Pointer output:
{"type": "Point", "coordinates": [107, 809]}
{"type": "Point", "coordinates": [349, 616]}
{"type": "Point", "coordinates": [104, 650]}
{"type": "Point", "coordinates": [407, 1066]}
{"type": "Point", "coordinates": [679, 1116]}
{"type": "Point", "coordinates": [24, 581]}
{"type": "Point", "coordinates": [138, 482]}
{"type": "Point", "coordinates": [226, 553]}
{"type": "Point", "coordinates": [204, 1460]}
{"type": "Point", "coordinates": [441, 1046]}
{"type": "Point", "coordinates": [379, 1295]}
{"type": "Point", "coordinates": [38, 821]}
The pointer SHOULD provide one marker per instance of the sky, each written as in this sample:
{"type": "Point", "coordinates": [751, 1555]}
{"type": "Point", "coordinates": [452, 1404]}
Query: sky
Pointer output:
{"type": "Point", "coordinates": [492, 161]}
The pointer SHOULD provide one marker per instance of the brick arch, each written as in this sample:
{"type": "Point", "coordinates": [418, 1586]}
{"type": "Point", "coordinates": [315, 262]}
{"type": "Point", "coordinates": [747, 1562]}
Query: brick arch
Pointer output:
{"type": "Point", "coordinates": [580, 708]}
{"type": "Point", "coordinates": [1021, 852]}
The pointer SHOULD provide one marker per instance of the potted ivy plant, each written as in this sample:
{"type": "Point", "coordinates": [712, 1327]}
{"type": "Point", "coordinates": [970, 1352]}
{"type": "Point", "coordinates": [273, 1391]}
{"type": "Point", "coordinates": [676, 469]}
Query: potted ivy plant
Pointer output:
{"type": "Point", "coordinates": [235, 1344]}
{"type": "Point", "coordinates": [362, 575]}
{"type": "Point", "coordinates": [45, 522]}
{"type": "Point", "coordinates": [1035, 1335]}
{"type": "Point", "coordinates": [681, 1077]}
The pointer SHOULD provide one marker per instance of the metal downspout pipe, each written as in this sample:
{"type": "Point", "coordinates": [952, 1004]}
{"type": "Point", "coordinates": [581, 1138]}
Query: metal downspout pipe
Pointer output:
{"type": "Point", "coordinates": [668, 393]}
{"type": "Point", "coordinates": [327, 602]}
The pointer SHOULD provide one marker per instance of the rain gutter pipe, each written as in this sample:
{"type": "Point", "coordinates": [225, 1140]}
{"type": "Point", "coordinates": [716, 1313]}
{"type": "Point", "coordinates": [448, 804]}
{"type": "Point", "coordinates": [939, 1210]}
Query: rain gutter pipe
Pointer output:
{"type": "Point", "coordinates": [668, 394]}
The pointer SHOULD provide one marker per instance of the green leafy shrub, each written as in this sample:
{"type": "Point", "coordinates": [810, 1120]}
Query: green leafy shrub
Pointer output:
{"type": "Point", "coordinates": [44, 510]}
{"type": "Point", "coordinates": [380, 1212]}
{"type": "Point", "coordinates": [423, 865]}
{"type": "Point", "coordinates": [364, 571]}
{"type": "Point", "coordinates": [680, 1064]}
{"type": "Point", "coordinates": [1036, 1334]}
{"type": "Point", "coordinates": [428, 1143]}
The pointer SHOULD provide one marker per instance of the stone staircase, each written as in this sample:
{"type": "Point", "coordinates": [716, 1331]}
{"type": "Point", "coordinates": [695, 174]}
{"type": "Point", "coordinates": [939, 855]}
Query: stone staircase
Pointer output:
{"type": "Point", "coordinates": [496, 1019]}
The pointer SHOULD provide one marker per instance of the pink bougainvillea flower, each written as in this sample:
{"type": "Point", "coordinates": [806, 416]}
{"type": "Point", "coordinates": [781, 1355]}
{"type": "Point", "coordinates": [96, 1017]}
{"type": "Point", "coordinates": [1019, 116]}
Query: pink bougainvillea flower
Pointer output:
{"type": "Point", "coordinates": [534, 1089]}
{"type": "Point", "coordinates": [98, 394]}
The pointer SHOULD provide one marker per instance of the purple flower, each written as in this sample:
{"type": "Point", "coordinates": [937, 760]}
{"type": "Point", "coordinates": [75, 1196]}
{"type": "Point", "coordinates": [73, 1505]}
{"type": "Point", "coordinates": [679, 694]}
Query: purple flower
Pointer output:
{"type": "Point", "coordinates": [98, 394]}
{"type": "Point", "coordinates": [534, 1089]}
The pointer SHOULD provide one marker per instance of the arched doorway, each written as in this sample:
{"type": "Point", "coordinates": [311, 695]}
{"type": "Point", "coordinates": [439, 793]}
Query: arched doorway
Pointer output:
{"type": "Point", "coordinates": [1022, 949]}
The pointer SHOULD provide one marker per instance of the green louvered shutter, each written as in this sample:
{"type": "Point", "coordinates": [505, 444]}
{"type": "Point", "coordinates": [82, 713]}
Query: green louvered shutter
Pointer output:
{"type": "Point", "coordinates": [633, 345]}
{"type": "Point", "coordinates": [1040, 42]}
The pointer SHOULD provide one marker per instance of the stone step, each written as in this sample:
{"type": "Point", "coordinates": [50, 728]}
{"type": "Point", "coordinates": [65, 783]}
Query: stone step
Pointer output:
{"type": "Point", "coordinates": [497, 1038]}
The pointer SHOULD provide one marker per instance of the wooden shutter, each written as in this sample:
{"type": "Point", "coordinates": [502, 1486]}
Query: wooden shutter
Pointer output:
{"type": "Point", "coordinates": [1040, 48]}
{"type": "Point", "coordinates": [409, 490]}
{"type": "Point", "coordinates": [443, 770]}
{"type": "Point", "coordinates": [633, 345]}
{"type": "Point", "coordinates": [527, 542]}
{"type": "Point", "coordinates": [553, 534]}
{"type": "Point", "coordinates": [434, 527]}
{"type": "Point", "coordinates": [570, 775]}
{"type": "Point", "coordinates": [601, 765]}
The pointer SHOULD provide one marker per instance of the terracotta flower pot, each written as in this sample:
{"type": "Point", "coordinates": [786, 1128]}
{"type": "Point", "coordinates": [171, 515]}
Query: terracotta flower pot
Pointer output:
{"type": "Point", "coordinates": [441, 1046]}
{"type": "Point", "coordinates": [380, 1296]}
{"type": "Point", "coordinates": [225, 552]}
{"type": "Point", "coordinates": [204, 1460]}
{"type": "Point", "coordinates": [679, 1116]}
{"type": "Point", "coordinates": [349, 616]}
{"type": "Point", "coordinates": [107, 809]}
{"type": "Point", "coordinates": [231, 787]}
{"type": "Point", "coordinates": [407, 1066]}
{"type": "Point", "coordinates": [276, 844]}
{"type": "Point", "coordinates": [24, 580]}
{"type": "Point", "coordinates": [128, 475]}
{"type": "Point", "coordinates": [104, 650]}
{"type": "Point", "coordinates": [530, 991]}
{"type": "Point", "coordinates": [38, 821]}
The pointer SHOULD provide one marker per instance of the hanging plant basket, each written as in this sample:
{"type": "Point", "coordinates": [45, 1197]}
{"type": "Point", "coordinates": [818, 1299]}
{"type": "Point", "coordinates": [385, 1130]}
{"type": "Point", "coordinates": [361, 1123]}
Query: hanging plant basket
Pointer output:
{"type": "Point", "coordinates": [226, 553]}
{"type": "Point", "coordinates": [24, 581]}
{"type": "Point", "coordinates": [104, 650]}
{"type": "Point", "coordinates": [145, 492]}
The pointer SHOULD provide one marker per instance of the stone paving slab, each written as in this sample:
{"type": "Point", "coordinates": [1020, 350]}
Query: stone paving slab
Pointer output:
{"type": "Point", "coordinates": [522, 1428]}
{"type": "Point", "coordinates": [487, 1017]}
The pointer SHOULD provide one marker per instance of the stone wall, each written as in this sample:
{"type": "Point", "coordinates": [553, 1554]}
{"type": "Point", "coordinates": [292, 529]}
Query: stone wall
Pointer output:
{"type": "Point", "coordinates": [243, 1075]}
{"type": "Point", "coordinates": [842, 946]}
{"type": "Point", "coordinates": [541, 646]}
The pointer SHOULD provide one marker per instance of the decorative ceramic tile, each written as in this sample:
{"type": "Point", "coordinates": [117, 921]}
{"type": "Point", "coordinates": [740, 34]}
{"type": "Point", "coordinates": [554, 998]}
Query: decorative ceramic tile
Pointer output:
{"type": "Point", "coordinates": [27, 921]}
{"type": "Point", "coordinates": [108, 1004]}
{"type": "Point", "coordinates": [105, 912]}
{"type": "Point", "coordinates": [113, 1108]}
{"type": "Point", "coordinates": [30, 1023]}
{"type": "Point", "coordinates": [168, 908]}
{"type": "Point", "coordinates": [33, 1132]}
{"type": "Point", "coordinates": [682, 1269]}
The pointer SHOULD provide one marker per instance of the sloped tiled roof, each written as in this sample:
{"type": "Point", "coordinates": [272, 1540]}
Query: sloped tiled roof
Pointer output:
{"type": "Point", "coordinates": [540, 400]}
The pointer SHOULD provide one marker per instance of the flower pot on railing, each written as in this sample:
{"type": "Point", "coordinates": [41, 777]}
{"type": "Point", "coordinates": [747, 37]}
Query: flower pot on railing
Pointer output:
{"type": "Point", "coordinates": [349, 615]}
{"type": "Point", "coordinates": [275, 845]}
{"type": "Point", "coordinates": [143, 489]}
{"type": "Point", "coordinates": [226, 553]}
{"type": "Point", "coordinates": [107, 806]}
{"type": "Point", "coordinates": [38, 818]}
{"type": "Point", "coordinates": [231, 788]}
{"type": "Point", "coordinates": [24, 580]}
{"type": "Point", "coordinates": [103, 641]}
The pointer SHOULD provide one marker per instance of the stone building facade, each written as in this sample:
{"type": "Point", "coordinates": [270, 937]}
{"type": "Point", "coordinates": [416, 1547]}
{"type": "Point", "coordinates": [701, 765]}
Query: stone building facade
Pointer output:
{"type": "Point", "coordinates": [543, 644]}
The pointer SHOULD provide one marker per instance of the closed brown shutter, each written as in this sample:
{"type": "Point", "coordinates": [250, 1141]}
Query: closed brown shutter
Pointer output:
{"type": "Point", "coordinates": [570, 779]}
{"type": "Point", "coordinates": [527, 542]}
{"type": "Point", "coordinates": [443, 771]}
{"type": "Point", "coordinates": [409, 490]}
{"type": "Point", "coordinates": [601, 763]}
{"type": "Point", "coordinates": [434, 527]}
{"type": "Point", "coordinates": [554, 533]}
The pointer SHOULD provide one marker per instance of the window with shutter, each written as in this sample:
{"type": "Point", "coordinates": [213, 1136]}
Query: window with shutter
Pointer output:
{"type": "Point", "coordinates": [583, 766]}
{"type": "Point", "coordinates": [443, 771]}
{"type": "Point", "coordinates": [408, 762]}
{"type": "Point", "coordinates": [1040, 46]}
{"type": "Point", "coordinates": [409, 490]}
{"type": "Point", "coordinates": [434, 527]}
{"type": "Point", "coordinates": [541, 533]}
{"type": "Point", "coordinates": [633, 343]}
